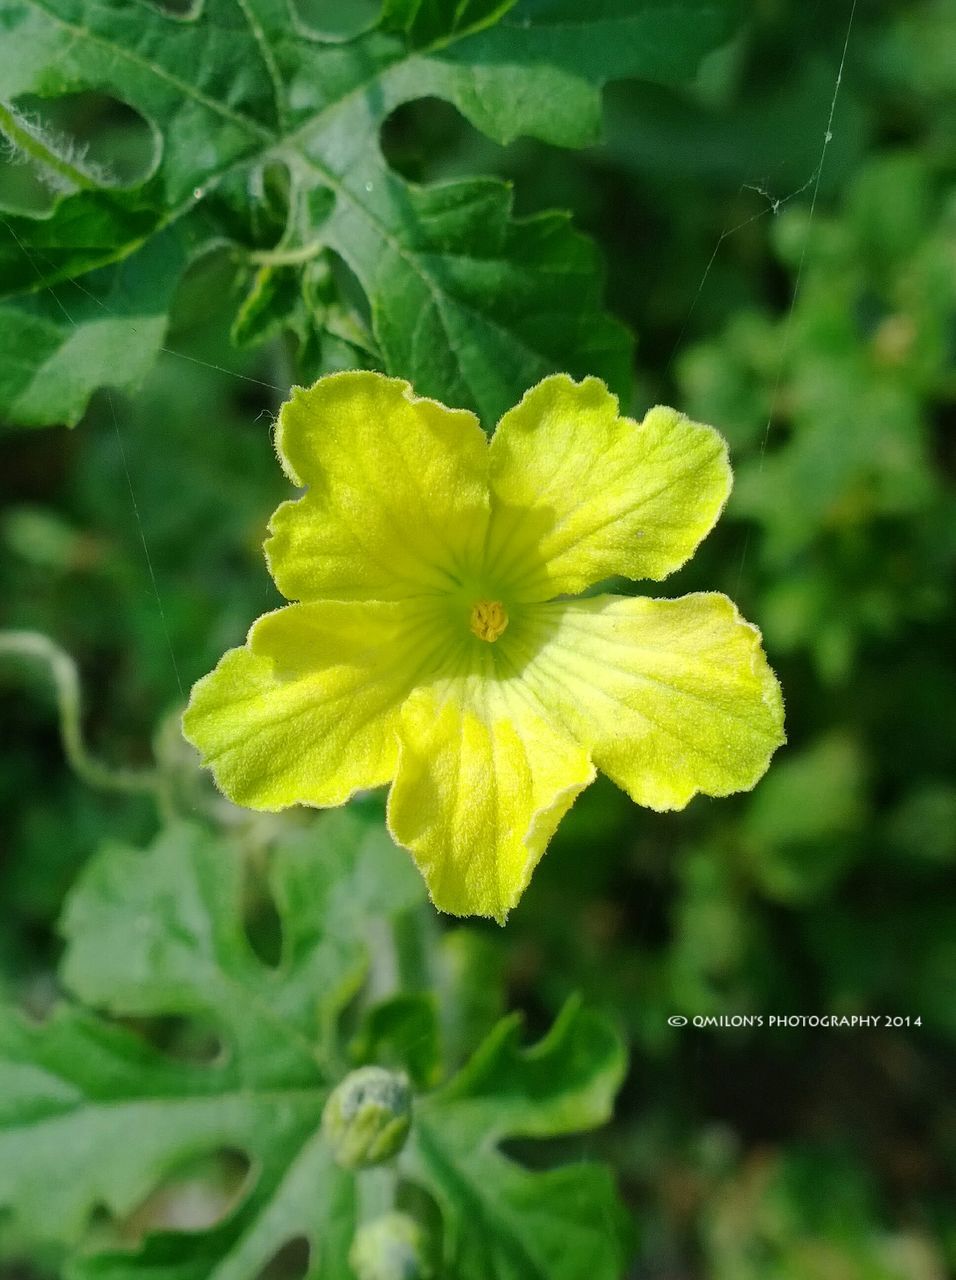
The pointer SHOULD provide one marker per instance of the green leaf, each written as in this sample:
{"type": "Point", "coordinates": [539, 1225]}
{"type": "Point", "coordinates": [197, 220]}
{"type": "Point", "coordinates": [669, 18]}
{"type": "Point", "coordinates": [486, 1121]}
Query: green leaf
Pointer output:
{"type": "Point", "coordinates": [402, 1032]}
{"type": "Point", "coordinates": [92, 1116]}
{"type": "Point", "coordinates": [58, 346]}
{"type": "Point", "coordinates": [480, 304]}
{"type": "Point", "coordinates": [471, 984]}
{"type": "Point", "coordinates": [181, 938]}
{"type": "Point", "coordinates": [424, 21]}
{"type": "Point", "coordinates": [467, 302]}
{"type": "Point", "coordinates": [540, 70]}
{"type": "Point", "coordinates": [501, 1220]}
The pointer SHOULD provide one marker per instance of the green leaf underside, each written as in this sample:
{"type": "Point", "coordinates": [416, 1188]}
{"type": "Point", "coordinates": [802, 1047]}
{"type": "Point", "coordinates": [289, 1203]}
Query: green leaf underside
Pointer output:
{"type": "Point", "coordinates": [92, 1116]}
{"type": "Point", "coordinates": [468, 303]}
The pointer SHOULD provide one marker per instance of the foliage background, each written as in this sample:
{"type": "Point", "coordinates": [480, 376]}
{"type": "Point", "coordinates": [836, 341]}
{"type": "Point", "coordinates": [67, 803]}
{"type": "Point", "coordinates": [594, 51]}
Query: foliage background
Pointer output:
{"type": "Point", "coordinates": [824, 350]}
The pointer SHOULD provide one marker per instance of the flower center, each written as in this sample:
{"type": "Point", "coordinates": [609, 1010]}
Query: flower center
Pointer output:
{"type": "Point", "coordinates": [488, 619]}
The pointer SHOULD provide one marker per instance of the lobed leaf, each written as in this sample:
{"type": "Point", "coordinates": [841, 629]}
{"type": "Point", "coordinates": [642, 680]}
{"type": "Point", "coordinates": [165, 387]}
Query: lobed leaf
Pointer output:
{"type": "Point", "coordinates": [502, 1220]}
{"type": "Point", "coordinates": [467, 302]}
{"type": "Point", "coordinates": [92, 1116]}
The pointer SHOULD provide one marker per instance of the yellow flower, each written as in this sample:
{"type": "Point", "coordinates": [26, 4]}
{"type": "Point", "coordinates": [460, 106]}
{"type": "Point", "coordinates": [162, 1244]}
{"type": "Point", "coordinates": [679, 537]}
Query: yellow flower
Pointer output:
{"type": "Point", "coordinates": [436, 645]}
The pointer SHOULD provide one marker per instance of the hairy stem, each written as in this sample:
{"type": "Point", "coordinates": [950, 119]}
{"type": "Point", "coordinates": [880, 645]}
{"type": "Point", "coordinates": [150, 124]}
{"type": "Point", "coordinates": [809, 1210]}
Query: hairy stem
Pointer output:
{"type": "Point", "coordinates": [30, 141]}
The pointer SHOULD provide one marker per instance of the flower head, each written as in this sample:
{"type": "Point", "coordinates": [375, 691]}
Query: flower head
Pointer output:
{"type": "Point", "coordinates": [436, 644]}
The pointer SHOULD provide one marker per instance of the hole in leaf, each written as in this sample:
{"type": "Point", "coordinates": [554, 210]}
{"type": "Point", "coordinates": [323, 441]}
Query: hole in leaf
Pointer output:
{"type": "Point", "coordinates": [336, 19]}
{"type": "Point", "coordinates": [428, 139]}
{"type": "Point", "coordinates": [99, 135]}
{"type": "Point", "coordinates": [183, 1039]}
{"type": "Point", "coordinates": [291, 1262]}
{"type": "Point", "coordinates": [262, 921]}
{"type": "Point", "coordinates": [196, 1195]}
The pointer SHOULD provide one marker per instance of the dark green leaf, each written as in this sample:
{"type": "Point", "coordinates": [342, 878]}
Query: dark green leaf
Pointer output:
{"type": "Point", "coordinates": [467, 303]}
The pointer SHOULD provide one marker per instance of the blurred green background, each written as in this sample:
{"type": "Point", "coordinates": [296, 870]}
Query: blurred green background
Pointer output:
{"type": "Point", "coordinates": [823, 349]}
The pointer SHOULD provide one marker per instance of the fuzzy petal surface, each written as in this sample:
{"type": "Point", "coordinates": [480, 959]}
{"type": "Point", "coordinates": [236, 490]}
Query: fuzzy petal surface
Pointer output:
{"type": "Point", "coordinates": [436, 647]}
{"type": "Point", "coordinates": [397, 501]}
{"type": "Point", "coordinates": [581, 494]}
{"type": "Point", "coordinates": [484, 778]}
{"type": "Point", "coordinates": [671, 697]}
{"type": "Point", "coordinates": [306, 711]}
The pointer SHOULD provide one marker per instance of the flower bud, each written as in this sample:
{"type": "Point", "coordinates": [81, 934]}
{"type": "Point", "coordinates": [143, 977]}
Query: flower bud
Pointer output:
{"type": "Point", "coordinates": [367, 1117]}
{"type": "Point", "coordinates": [390, 1248]}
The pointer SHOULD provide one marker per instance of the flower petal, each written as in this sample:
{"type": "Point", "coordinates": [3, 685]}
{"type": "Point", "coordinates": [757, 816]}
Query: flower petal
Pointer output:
{"type": "Point", "coordinates": [580, 494]}
{"type": "Point", "coordinates": [398, 495]}
{"type": "Point", "coordinates": [306, 711]}
{"type": "Point", "coordinates": [483, 780]}
{"type": "Point", "coordinates": [671, 697]}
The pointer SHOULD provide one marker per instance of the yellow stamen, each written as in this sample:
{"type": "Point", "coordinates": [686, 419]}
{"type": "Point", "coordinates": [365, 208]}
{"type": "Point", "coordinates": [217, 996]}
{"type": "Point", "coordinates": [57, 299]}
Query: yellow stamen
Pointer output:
{"type": "Point", "coordinates": [488, 619]}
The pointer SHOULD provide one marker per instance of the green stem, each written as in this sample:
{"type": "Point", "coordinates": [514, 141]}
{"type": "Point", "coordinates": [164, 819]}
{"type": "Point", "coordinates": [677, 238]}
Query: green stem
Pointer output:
{"type": "Point", "coordinates": [66, 684]}
{"type": "Point", "coordinates": [31, 142]}
{"type": "Point", "coordinates": [414, 936]}
{"type": "Point", "coordinates": [376, 1192]}
{"type": "Point", "coordinates": [286, 257]}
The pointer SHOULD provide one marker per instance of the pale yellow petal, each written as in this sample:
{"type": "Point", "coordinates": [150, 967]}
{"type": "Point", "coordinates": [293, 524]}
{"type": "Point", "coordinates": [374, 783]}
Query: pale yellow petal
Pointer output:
{"type": "Point", "coordinates": [671, 697]}
{"type": "Point", "coordinates": [306, 711]}
{"type": "Point", "coordinates": [581, 494]}
{"type": "Point", "coordinates": [397, 501]}
{"type": "Point", "coordinates": [483, 780]}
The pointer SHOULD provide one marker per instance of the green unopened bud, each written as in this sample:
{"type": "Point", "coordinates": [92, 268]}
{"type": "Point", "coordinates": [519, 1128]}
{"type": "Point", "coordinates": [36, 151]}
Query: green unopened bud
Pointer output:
{"type": "Point", "coordinates": [367, 1117]}
{"type": "Point", "coordinates": [390, 1248]}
